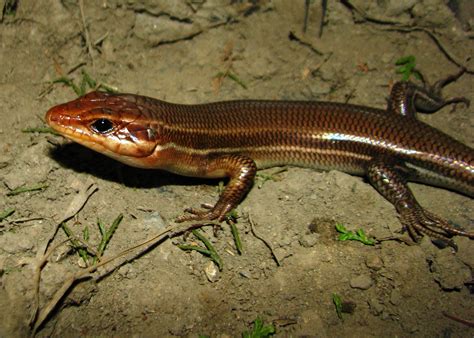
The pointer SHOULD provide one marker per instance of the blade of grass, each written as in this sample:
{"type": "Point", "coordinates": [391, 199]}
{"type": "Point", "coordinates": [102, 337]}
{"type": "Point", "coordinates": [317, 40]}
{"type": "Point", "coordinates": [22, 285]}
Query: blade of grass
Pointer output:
{"type": "Point", "coordinates": [213, 253]}
{"type": "Point", "coordinates": [235, 233]}
{"type": "Point", "coordinates": [76, 244]}
{"type": "Point", "coordinates": [21, 190]}
{"type": "Point", "coordinates": [337, 300]}
{"type": "Point", "coordinates": [195, 248]}
{"type": "Point", "coordinates": [5, 213]}
{"type": "Point", "coordinates": [108, 235]}
{"type": "Point", "coordinates": [41, 130]}
{"type": "Point", "coordinates": [68, 82]}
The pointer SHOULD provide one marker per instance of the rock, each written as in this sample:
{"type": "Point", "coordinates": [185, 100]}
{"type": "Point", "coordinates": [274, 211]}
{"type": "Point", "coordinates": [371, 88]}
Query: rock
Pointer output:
{"type": "Point", "coordinates": [212, 272]}
{"type": "Point", "coordinates": [34, 166]}
{"type": "Point", "coordinates": [449, 271]}
{"type": "Point", "coordinates": [464, 11]}
{"type": "Point", "coordinates": [153, 221]}
{"type": "Point", "coordinates": [395, 297]}
{"type": "Point", "coordinates": [376, 307]}
{"type": "Point", "coordinates": [374, 262]}
{"type": "Point", "coordinates": [15, 243]}
{"type": "Point", "coordinates": [362, 282]}
{"type": "Point", "coordinates": [465, 251]}
{"type": "Point", "coordinates": [156, 30]}
{"type": "Point", "coordinates": [308, 240]}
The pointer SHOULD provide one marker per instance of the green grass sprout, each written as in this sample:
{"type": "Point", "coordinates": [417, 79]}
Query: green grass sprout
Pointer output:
{"type": "Point", "coordinates": [231, 76]}
{"type": "Point", "coordinates": [78, 246]}
{"type": "Point", "coordinates": [10, 7]}
{"type": "Point", "coordinates": [5, 213]}
{"type": "Point", "coordinates": [86, 83]}
{"type": "Point", "coordinates": [262, 178]}
{"type": "Point", "coordinates": [235, 234]}
{"type": "Point", "coordinates": [40, 130]}
{"type": "Point", "coordinates": [337, 300]}
{"type": "Point", "coordinates": [20, 190]}
{"type": "Point", "coordinates": [82, 246]}
{"type": "Point", "coordinates": [407, 67]}
{"type": "Point", "coordinates": [210, 251]}
{"type": "Point", "coordinates": [259, 330]}
{"type": "Point", "coordinates": [359, 235]}
{"type": "Point", "coordinates": [107, 233]}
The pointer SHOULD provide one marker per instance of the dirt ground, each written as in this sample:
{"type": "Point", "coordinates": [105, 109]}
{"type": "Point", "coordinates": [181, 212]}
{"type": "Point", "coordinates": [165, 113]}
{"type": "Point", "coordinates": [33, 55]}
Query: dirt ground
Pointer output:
{"type": "Point", "coordinates": [177, 51]}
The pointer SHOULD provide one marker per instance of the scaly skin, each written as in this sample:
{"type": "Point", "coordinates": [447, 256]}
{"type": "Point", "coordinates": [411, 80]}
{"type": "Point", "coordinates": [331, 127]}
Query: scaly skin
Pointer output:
{"type": "Point", "coordinates": [235, 138]}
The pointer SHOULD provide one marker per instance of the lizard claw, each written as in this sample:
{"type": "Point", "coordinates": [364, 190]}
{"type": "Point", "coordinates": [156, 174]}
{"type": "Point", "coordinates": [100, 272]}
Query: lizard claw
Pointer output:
{"type": "Point", "coordinates": [207, 213]}
{"type": "Point", "coordinates": [419, 221]}
{"type": "Point", "coordinates": [440, 84]}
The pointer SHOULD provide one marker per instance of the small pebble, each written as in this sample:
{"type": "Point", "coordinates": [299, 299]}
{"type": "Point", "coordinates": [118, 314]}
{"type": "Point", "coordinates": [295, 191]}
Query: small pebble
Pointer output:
{"type": "Point", "coordinates": [212, 272]}
{"type": "Point", "coordinates": [395, 297]}
{"type": "Point", "coordinates": [362, 282]}
{"type": "Point", "coordinates": [374, 262]}
{"type": "Point", "coordinates": [376, 307]}
{"type": "Point", "coordinates": [308, 240]}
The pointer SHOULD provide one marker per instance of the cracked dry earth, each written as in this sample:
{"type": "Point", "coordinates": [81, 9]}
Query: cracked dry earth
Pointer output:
{"type": "Point", "coordinates": [177, 51]}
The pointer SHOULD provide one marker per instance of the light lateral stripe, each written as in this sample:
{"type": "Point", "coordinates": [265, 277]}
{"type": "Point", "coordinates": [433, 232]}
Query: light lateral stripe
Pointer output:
{"type": "Point", "coordinates": [321, 136]}
{"type": "Point", "coordinates": [265, 149]}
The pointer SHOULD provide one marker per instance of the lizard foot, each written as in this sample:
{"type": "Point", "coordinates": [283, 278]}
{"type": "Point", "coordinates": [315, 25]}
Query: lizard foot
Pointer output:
{"type": "Point", "coordinates": [207, 213]}
{"type": "Point", "coordinates": [419, 222]}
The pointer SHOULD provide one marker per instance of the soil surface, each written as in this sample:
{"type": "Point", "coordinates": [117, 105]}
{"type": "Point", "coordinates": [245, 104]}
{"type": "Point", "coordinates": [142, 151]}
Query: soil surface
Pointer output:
{"type": "Point", "coordinates": [203, 51]}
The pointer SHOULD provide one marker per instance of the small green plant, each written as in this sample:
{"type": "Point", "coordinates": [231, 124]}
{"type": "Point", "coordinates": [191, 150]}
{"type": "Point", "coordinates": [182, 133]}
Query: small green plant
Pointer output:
{"type": "Point", "coordinates": [259, 330]}
{"type": "Point", "coordinates": [87, 82]}
{"type": "Point", "coordinates": [40, 130]}
{"type": "Point", "coordinates": [20, 190]}
{"type": "Point", "coordinates": [232, 76]}
{"type": "Point", "coordinates": [359, 235]}
{"type": "Point", "coordinates": [262, 178]}
{"type": "Point", "coordinates": [407, 67]}
{"type": "Point", "coordinates": [337, 300]}
{"type": "Point", "coordinates": [5, 213]}
{"type": "Point", "coordinates": [209, 251]}
{"type": "Point", "coordinates": [82, 247]}
{"type": "Point", "coordinates": [235, 231]}
{"type": "Point", "coordinates": [10, 7]}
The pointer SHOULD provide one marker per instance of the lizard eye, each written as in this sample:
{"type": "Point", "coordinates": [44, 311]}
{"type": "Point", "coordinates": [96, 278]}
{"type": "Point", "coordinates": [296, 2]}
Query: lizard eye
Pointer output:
{"type": "Point", "coordinates": [102, 126]}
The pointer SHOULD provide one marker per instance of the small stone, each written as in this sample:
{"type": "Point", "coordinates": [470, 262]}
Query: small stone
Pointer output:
{"type": "Point", "coordinates": [466, 251]}
{"type": "Point", "coordinates": [308, 240]}
{"type": "Point", "coordinates": [374, 262]}
{"type": "Point", "coordinates": [245, 274]}
{"type": "Point", "coordinates": [395, 297]}
{"type": "Point", "coordinates": [14, 243]}
{"type": "Point", "coordinates": [153, 221]}
{"type": "Point", "coordinates": [212, 272]}
{"type": "Point", "coordinates": [449, 271]}
{"type": "Point", "coordinates": [362, 282]}
{"type": "Point", "coordinates": [127, 271]}
{"type": "Point", "coordinates": [376, 307]}
{"type": "Point", "coordinates": [281, 253]}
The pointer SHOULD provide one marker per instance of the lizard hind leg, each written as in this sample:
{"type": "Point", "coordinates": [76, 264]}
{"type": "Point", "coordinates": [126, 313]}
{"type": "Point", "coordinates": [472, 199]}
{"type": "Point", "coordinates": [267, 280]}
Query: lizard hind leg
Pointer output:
{"type": "Point", "coordinates": [406, 98]}
{"type": "Point", "coordinates": [390, 181]}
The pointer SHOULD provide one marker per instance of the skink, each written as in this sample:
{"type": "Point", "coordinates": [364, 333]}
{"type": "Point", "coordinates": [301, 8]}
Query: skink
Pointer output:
{"type": "Point", "coordinates": [235, 138]}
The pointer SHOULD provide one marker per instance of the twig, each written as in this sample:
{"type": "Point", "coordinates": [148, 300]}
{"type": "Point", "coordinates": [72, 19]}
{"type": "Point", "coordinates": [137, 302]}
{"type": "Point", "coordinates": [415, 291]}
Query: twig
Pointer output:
{"type": "Point", "coordinates": [459, 320]}
{"type": "Point", "coordinates": [24, 220]}
{"type": "Point", "coordinates": [86, 32]}
{"type": "Point", "coordinates": [324, 7]}
{"type": "Point", "coordinates": [269, 246]}
{"type": "Point", "coordinates": [306, 15]}
{"type": "Point", "coordinates": [368, 17]}
{"type": "Point", "coordinates": [74, 207]}
{"type": "Point", "coordinates": [293, 37]}
{"type": "Point", "coordinates": [88, 272]}
{"type": "Point", "coordinates": [397, 26]}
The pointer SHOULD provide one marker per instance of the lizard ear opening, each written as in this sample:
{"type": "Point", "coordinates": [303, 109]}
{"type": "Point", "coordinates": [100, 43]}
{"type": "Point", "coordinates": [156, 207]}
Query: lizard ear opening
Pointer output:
{"type": "Point", "coordinates": [102, 126]}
